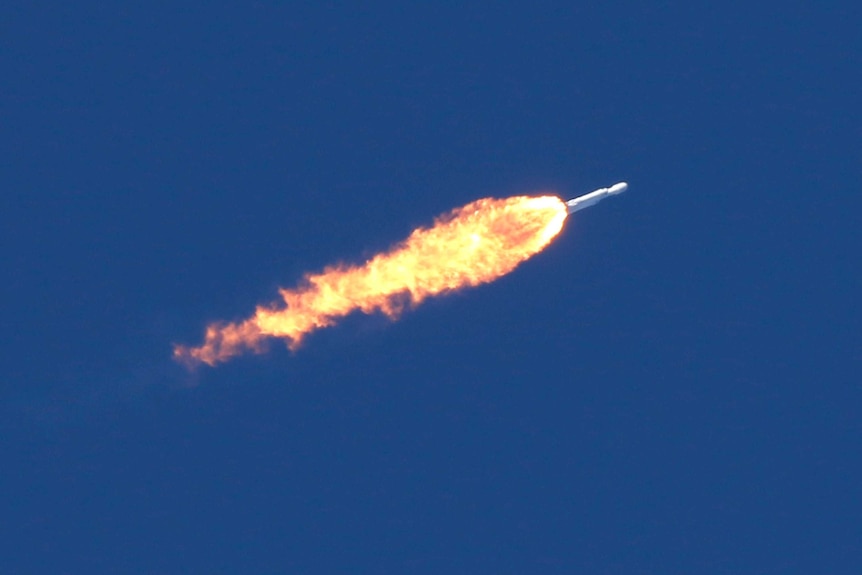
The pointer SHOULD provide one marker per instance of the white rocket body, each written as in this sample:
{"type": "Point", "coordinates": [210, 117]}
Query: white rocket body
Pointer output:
{"type": "Point", "coordinates": [588, 200]}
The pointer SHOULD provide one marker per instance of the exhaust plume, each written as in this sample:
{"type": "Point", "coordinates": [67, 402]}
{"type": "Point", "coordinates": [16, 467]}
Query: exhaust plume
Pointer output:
{"type": "Point", "coordinates": [471, 245]}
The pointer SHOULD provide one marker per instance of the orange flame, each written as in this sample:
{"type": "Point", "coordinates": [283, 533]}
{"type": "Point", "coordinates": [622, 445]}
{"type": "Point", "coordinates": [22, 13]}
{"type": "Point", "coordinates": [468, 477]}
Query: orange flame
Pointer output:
{"type": "Point", "coordinates": [469, 246]}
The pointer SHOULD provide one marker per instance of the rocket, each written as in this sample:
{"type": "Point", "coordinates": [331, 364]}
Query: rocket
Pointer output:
{"type": "Point", "coordinates": [588, 200]}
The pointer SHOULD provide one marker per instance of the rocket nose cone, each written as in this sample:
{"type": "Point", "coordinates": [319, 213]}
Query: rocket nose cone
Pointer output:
{"type": "Point", "coordinates": [618, 188]}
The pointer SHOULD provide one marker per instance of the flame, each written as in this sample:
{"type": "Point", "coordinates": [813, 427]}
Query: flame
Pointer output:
{"type": "Point", "coordinates": [471, 245]}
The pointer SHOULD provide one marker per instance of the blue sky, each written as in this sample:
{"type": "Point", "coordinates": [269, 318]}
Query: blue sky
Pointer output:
{"type": "Point", "coordinates": [673, 386]}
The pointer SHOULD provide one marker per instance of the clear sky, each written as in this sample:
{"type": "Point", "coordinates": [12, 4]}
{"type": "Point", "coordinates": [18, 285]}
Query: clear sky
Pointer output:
{"type": "Point", "coordinates": [673, 386]}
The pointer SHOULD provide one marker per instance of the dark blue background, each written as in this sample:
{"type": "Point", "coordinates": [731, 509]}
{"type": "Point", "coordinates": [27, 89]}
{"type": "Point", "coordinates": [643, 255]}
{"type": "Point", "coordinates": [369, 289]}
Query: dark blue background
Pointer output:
{"type": "Point", "coordinates": [673, 386]}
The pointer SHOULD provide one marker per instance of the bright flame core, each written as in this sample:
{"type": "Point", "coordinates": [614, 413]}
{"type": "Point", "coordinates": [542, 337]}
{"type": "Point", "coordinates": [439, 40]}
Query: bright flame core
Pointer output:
{"type": "Point", "coordinates": [469, 246]}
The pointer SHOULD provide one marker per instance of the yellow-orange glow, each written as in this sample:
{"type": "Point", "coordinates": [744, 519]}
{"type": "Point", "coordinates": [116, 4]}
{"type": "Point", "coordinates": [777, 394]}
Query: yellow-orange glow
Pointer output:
{"type": "Point", "coordinates": [471, 245]}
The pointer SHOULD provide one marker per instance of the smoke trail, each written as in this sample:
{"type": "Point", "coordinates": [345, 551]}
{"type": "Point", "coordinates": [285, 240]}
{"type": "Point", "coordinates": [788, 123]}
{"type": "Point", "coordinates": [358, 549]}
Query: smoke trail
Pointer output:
{"type": "Point", "coordinates": [469, 246]}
